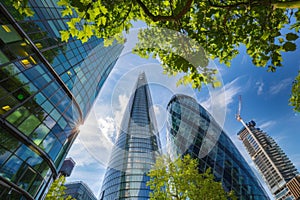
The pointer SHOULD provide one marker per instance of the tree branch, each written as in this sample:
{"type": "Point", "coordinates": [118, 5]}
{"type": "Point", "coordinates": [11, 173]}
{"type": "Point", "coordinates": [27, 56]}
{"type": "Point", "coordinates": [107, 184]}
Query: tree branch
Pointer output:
{"type": "Point", "coordinates": [156, 18]}
{"type": "Point", "coordinates": [284, 5]}
{"type": "Point", "coordinates": [228, 6]}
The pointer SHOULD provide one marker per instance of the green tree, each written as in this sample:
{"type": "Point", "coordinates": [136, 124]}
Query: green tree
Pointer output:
{"type": "Point", "coordinates": [57, 190]}
{"type": "Point", "coordinates": [181, 180]}
{"type": "Point", "coordinates": [218, 27]}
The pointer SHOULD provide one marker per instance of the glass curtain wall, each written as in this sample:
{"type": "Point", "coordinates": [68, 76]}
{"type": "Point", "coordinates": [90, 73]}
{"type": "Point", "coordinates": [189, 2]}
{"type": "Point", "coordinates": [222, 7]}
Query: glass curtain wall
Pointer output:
{"type": "Point", "coordinates": [136, 149]}
{"type": "Point", "coordinates": [192, 130]}
{"type": "Point", "coordinates": [47, 88]}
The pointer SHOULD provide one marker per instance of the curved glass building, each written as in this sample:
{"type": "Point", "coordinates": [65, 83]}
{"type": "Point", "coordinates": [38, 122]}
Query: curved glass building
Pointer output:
{"type": "Point", "coordinates": [192, 130]}
{"type": "Point", "coordinates": [47, 88]}
{"type": "Point", "coordinates": [135, 151]}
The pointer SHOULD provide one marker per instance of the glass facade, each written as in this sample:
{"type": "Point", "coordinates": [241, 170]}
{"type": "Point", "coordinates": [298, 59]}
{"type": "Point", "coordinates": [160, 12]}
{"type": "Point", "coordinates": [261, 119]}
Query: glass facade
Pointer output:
{"type": "Point", "coordinates": [136, 149]}
{"type": "Point", "coordinates": [192, 130]}
{"type": "Point", "coordinates": [273, 164]}
{"type": "Point", "coordinates": [47, 88]}
{"type": "Point", "coordinates": [79, 191]}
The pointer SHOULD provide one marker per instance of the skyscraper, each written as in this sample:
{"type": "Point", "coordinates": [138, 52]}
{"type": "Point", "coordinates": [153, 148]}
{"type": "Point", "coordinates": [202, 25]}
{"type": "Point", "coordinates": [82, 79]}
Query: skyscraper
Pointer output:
{"type": "Point", "coordinates": [275, 167]}
{"type": "Point", "coordinates": [192, 130]}
{"type": "Point", "coordinates": [136, 149]}
{"type": "Point", "coordinates": [47, 88]}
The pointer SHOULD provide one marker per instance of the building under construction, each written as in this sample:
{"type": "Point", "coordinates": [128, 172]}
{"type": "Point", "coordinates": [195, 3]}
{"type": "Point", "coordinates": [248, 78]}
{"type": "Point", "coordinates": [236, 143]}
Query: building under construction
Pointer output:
{"type": "Point", "coordinates": [278, 171]}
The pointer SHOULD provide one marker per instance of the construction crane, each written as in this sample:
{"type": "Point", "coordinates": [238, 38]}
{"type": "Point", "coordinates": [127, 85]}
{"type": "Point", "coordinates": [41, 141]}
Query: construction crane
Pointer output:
{"type": "Point", "coordinates": [239, 118]}
{"type": "Point", "coordinates": [238, 114]}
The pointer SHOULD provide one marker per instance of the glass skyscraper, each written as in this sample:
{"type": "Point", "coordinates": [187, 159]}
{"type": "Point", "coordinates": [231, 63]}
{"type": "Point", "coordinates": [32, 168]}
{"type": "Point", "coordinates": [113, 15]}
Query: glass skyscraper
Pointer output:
{"type": "Point", "coordinates": [275, 167]}
{"type": "Point", "coordinates": [192, 130]}
{"type": "Point", "coordinates": [136, 149]}
{"type": "Point", "coordinates": [47, 88]}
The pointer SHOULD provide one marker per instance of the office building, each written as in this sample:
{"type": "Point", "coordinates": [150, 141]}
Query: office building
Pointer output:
{"type": "Point", "coordinates": [273, 164]}
{"type": "Point", "coordinates": [67, 167]}
{"type": "Point", "coordinates": [192, 130]}
{"type": "Point", "coordinates": [80, 191]}
{"type": "Point", "coordinates": [135, 150]}
{"type": "Point", "coordinates": [47, 88]}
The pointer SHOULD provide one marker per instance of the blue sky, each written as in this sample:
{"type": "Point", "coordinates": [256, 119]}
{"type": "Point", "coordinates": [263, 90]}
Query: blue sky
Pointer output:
{"type": "Point", "coordinates": [264, 99]}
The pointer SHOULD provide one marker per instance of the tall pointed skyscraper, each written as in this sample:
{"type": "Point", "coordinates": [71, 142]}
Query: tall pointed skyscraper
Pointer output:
{"type": "Point", "coordinates": [136, 149]}
{"type": "Point", "coordinates": [276, 168]}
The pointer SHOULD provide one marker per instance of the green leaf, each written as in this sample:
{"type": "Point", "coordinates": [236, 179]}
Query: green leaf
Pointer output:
{"type": "Point", "coordinates": [91, 13]}
{"type": "Point", "coordinates": [96, 11]}
{"type": "Point", "coordinates": [281, 40]}
{"type": "Point", "coordinates": [289, 46]}
{"type": "Point", "coordinates": [63, 2]}
{"type": "Point", "coordinates": [103, 9]}
{"type": "Point", "coordinates": [265, 35]}
{"type": "Point", "coordinates": [102, 21]}
{"type": "Point", "coordinates": [217, 84]}
{"type": "Point", "coordinates": [67, 11]}
{"type": "Point", "coordinates": [291, 36]}
{"type": "Point", "coordinates": [295, 96]}
{"type": "Point", "coordinates": [108, 41]}
{"type": "Point", "coordinates": [166, 3]}
{"type": "Point", "coordinates": [73, 32]}
{"type": "Point", "coordinates": [64, 36]}
{"type": "Point", "coordinates": [28, 12]}
{"type": "Point", "coordinates": [71, 24]}
{"type": "Point", "coordinates": [88, 30]}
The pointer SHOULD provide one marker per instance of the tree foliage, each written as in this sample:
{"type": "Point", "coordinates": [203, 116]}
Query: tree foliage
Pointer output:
{"type": "Point", "coordinates": [57, 190]}
{"type": "Point", "coordinates": [218, 28]}
{"type": "Point", "coordinates": [181, 180]}
{"type": "Point", "coordinates": [295, 98]}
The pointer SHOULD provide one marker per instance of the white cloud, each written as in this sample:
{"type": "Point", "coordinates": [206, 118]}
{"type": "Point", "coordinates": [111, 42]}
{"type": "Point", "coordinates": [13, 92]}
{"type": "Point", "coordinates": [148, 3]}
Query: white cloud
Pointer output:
{"type": "Point", "coordinates": [266, 125]}
{"type": "Point", "coordinates": [220, 98]}
{"type": "Point", "coordinates": [260, 85]}
{"type": "Point", "coordinates": [80, 155]}
{"type": "Point", "coordinates": [275, 89]}
{"type": "Point", "coordinates": [91, 146]}
{"type": "Point", "coordinates": [245, 59]}
{"type": "Point", "coordinates": [119, 110]}
{"type": "Point", "coordinates": [107, 127]}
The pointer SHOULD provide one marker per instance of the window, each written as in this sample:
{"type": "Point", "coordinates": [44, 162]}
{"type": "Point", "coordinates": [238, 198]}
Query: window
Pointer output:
{"type": "Point", "coordinates": [26, 177]}
{"type": "Point", "coordinates": [8, 141]}
{"type": "Point", "coordinates": [8, 34]}
{"type": "Point", "coordinates": [11, 168]}
{"type": "Point", "coordinates": [18, 116]}
{"type": "Point", "coordinates": [39, 134]}
{"type": "Point", "coordinates": [48, 142]}
{"type": "Point", "coordinates": [29, 124]}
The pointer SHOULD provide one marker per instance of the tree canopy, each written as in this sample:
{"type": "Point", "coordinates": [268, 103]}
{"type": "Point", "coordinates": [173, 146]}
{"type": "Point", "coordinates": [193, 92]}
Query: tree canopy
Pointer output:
{"type": "Point", "coordinates": [57, 190]}
{"type": "Point", "coordinates": [181, 180]}
{"type": "Point", "coordinates": [218, 28]}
